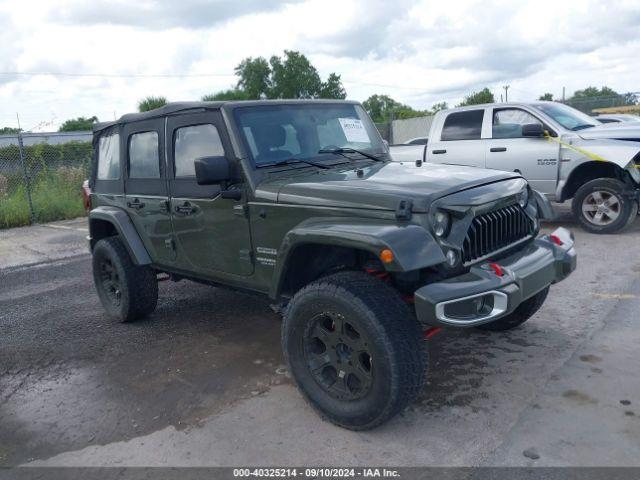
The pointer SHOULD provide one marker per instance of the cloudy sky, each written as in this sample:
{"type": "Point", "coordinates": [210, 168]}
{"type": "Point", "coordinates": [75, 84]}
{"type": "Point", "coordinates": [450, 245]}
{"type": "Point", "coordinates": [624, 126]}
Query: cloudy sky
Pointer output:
{"type": "Point", "coordinates": [102, 56]}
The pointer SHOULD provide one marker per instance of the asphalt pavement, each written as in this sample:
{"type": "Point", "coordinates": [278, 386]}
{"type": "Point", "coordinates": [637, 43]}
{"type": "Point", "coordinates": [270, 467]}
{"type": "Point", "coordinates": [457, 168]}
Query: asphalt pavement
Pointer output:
{"type": "Point", "coordinates": [202, 381]}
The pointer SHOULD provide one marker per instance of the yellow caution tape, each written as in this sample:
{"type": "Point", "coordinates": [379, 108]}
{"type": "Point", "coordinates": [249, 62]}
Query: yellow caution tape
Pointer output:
{"type": "Point", "coordinates": [584, 152]}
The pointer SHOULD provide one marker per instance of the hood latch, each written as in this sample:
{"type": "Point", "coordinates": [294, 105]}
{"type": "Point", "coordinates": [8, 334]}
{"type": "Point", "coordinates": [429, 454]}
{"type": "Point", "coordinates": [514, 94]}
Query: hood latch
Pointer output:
{"type": "Point", "coordinates": [404, 210]}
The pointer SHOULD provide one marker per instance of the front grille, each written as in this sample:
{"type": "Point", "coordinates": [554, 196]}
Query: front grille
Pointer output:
{"type": "Point", "coordinates": [494, 231]}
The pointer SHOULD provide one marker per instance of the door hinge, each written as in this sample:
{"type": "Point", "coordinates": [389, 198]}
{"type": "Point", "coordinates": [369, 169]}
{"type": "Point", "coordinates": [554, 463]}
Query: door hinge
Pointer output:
{"type": "Point", "coordinates": [241, 211]}
{"type": "Point", "coordinates": [246, 255]}
{"type": "Point", "coordinates": [170, 244]}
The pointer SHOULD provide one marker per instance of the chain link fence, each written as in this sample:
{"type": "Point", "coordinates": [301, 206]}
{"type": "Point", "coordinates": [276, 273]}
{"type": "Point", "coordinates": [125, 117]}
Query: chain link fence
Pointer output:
{"type": "Point", "coordinates": [41, 177]}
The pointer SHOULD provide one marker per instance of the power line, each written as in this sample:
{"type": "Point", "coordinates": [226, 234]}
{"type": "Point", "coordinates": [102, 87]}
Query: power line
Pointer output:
{"type": "Point", "coordinates": [179, 75]}
{"type": "Point", "coordinates": [119, 75]}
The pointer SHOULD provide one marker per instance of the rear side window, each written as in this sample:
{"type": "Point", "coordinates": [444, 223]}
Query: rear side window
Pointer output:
{"type": "Point", "coordinates": [193, 142]}
{"type": "Point", "coordinates": [463, 125]}
{"type": "Point", "coordinates": [143, 155]}
{"type": "Point", "coordinates": [109, 157]}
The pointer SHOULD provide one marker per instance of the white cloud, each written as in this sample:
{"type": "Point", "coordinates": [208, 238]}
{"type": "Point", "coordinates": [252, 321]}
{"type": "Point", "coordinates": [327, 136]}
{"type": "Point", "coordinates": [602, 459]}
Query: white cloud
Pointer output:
{"type": "Point", "coordinates": [419, 52]}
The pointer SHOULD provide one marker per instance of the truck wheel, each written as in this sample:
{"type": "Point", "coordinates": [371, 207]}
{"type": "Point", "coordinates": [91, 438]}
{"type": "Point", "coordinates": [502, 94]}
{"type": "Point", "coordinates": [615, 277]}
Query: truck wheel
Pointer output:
{"type": "Point", "coordinates": [521, 314]}
{"type": "Point", "coordinates": [127, 291]}
{"type": "Point", "coordinates": [354, 349]}
{"type": "Point", "coordinates": [601, 206]}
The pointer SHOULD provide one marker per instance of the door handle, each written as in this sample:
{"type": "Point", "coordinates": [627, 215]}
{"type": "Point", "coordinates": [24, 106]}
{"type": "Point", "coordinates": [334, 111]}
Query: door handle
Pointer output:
{"type": "Point", "coordinates": [498, 149]}
{"type": "Point", "coordinates": [136, 204]}
{"type": "Point", "coordinates": [186, 208]}
{"type": "Point", "coordinates": [438, 152]}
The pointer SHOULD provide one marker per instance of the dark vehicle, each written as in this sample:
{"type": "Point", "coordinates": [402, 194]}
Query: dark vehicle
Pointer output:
{"type": "Point", "coordinates": [298, 200]}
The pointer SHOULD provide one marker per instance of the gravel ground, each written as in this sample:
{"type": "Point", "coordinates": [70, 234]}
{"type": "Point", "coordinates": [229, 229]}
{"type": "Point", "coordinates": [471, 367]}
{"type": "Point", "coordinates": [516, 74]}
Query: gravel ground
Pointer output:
{"type": "Point", "coordinates": [202, 381]}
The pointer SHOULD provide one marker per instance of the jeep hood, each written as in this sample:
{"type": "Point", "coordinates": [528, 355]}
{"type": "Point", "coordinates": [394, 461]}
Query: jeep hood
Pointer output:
{"type": "Point", "coordinates": [383, 186]}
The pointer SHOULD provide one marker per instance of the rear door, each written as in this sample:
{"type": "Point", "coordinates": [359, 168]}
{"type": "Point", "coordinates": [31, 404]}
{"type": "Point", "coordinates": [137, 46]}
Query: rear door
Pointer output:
{"type": "Point", "coordinates": [460, 141]}
{"type": "Point", "coordinates": [536, 159]}
{"type": "Point", "coordinates": [146, 195]}
{"type": "Point", "coordinates": [212, 233]}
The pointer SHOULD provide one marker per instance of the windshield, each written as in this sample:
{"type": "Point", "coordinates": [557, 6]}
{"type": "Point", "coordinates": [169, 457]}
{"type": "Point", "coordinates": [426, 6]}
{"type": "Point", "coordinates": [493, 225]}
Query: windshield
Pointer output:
{"type": "Point", "coordinates": [568, 117]}
{"type": "Point", "coordinates": [274, 133]}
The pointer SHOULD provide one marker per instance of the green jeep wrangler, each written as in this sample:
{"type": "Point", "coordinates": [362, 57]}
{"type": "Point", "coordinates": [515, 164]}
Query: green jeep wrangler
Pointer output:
{"type": "Point", "coordinates": [298, 200]}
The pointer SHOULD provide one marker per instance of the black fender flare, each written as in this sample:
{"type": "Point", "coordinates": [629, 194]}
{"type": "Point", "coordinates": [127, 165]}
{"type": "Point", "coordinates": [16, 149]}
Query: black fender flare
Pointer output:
{"type": "Point", "coordinates": [126, 231]}
{"type": "Point", "coordinates": [413, 246]}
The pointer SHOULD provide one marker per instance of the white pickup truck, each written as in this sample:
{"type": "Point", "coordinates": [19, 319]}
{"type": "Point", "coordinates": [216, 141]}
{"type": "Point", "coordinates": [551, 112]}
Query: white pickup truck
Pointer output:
{"type": "Point", "coordinates": [562, 152]}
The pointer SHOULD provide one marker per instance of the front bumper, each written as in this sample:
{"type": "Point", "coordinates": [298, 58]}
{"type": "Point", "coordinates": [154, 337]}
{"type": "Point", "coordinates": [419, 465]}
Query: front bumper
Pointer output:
{"type": "Point", "coordinates": [524, 273]}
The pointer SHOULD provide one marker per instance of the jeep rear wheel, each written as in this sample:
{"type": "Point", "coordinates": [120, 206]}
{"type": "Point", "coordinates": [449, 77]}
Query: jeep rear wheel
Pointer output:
{"type": "Point", "coordinates": [354, 349]}
{"type": "Point", "coordinates": [127, 291]}
{"type": "Point", "coordinates": [603, 206]}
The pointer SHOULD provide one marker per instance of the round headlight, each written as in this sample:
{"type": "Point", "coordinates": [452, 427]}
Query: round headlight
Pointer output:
{"type": "Point", "coordinates": [523, 198]}
{"type": "Point", "coordinates": [441, 222]}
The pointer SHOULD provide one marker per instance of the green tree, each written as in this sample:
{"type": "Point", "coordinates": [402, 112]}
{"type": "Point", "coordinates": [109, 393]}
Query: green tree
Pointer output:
{"type": "Point", "coordinates": [477, 98]}
{"type": "Point", "coordinates": [382, 108]}
{"type": "Point", "coordinates": [254, 77]}
{"type": "Point", "coordinates": [293, 77]}
{"type": "Point", "coordinates": [591, 92]}
{"type": "Point", "coordinates": [333, 88]}
{"type": "Point", "coordinates": [289, 76]}
{"type": "Point", "coordinates": [150, 103]}
{"type": "Point", "coordinates": [436, 108]}
{"type": "Point", "coordinates": [9, 130]}
{"type": "Point", "coordinates": [546, 96]}
{"type": "Point", "coordinates": [230, 94]}
{"type": "Point", "coordinates": [78, 124]}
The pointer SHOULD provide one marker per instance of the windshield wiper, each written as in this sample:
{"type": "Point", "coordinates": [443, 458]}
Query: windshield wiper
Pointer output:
{"type": "Point", "coordinates": [343, 151]}
{"type": "Point", "coordinates": [581, 127]}
{"type": "Point", "coordinates": [289, 161]}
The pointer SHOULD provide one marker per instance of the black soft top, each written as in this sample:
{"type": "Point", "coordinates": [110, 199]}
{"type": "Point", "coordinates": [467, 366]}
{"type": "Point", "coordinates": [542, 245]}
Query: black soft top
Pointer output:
{"type": "Point", "coordinates": [177, 107]}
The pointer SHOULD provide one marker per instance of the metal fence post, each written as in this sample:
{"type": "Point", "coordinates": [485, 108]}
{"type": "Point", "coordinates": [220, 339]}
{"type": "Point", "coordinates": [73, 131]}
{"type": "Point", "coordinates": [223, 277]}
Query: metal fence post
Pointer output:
{"type": "Point", "coordinates": [27, 179]}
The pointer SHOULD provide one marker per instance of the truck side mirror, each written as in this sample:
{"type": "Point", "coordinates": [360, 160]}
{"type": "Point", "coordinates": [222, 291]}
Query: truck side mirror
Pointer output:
{"type": "Point", "coordinates": [532, 130]}
{"type": "Point", "coordinates": [212, 170]}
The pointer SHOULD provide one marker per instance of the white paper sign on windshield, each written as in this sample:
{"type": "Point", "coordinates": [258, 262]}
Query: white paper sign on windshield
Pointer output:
{"type": "Point", "coordinates": [354, 130]}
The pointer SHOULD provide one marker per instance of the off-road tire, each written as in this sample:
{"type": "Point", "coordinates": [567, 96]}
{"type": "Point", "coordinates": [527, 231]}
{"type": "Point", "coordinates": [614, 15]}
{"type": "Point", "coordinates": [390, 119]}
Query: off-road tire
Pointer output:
{"type": "Point", "coordinates": [398, 356]}
{"type": "Point", "coordinates": [137, 287]}
{"type": "Point", "coordinates": [521, 314]}
{"type": "Point", "coordinates": [627, 211]}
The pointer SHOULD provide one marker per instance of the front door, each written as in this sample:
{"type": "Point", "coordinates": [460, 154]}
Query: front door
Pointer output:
{"type": "Point", "coordinates": [536, 159]}
{"type": "Point", "coordinates": [212, 233]}
{"type": "Point", "coordinates": [146, 197]}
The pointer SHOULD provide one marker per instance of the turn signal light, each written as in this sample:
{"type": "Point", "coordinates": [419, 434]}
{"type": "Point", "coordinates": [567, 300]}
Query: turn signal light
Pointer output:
{"type": "Point", "coordinates": [386, 256]}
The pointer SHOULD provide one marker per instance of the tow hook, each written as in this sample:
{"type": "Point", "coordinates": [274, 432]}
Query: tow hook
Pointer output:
{"type": "Point", "coordinates": [431, 332]}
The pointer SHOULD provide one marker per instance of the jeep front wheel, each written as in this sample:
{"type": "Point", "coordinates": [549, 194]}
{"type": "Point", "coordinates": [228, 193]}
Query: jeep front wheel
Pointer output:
{"type": "Point", "coordinates": [354, 349]}
{"type": "Point", "coordinates": [602, 206]}
{"type": "Point", "coordinates": [127, 291]}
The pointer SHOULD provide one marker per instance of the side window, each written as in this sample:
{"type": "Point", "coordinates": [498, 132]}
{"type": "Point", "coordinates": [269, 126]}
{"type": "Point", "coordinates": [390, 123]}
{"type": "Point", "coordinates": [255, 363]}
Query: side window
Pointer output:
{"type": "Point", "coordinates": [463, 125]}
{"type": "Point", "coordinates": [194, 142]}
{"type": "Point", "coordinates": [109, 157]}
{"type": "Point", "coordinates": [508, 123]}
{"type": "Point", "coordinates": [144, 161]}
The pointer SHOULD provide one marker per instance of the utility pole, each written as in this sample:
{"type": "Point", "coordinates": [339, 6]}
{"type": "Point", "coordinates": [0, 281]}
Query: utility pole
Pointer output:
{"type": "Point", "coordinates": [563, 94]}
{"type": "Point", "coordinates": [506, 93]}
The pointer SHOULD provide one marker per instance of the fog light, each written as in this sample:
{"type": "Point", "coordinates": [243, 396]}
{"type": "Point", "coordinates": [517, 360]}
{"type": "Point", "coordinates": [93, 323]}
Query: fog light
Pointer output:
{"type": "Point", "coordinates": [452, 258]}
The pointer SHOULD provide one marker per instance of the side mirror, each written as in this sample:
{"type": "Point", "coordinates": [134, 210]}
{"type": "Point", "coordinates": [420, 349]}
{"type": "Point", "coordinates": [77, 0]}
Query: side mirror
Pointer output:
{"type": "Point", "coordinates": [212, 170]}
{"type": "Point", "coordinates": [532, 130]}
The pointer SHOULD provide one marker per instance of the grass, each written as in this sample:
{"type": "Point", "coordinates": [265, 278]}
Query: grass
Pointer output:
{"type": "Point", "coordinates": [55, 195]}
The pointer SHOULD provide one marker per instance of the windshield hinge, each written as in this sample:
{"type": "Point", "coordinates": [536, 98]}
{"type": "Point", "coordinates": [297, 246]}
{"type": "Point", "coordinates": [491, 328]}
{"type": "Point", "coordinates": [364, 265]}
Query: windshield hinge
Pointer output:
{"type": "Point", "coordinates": [404, 210]}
